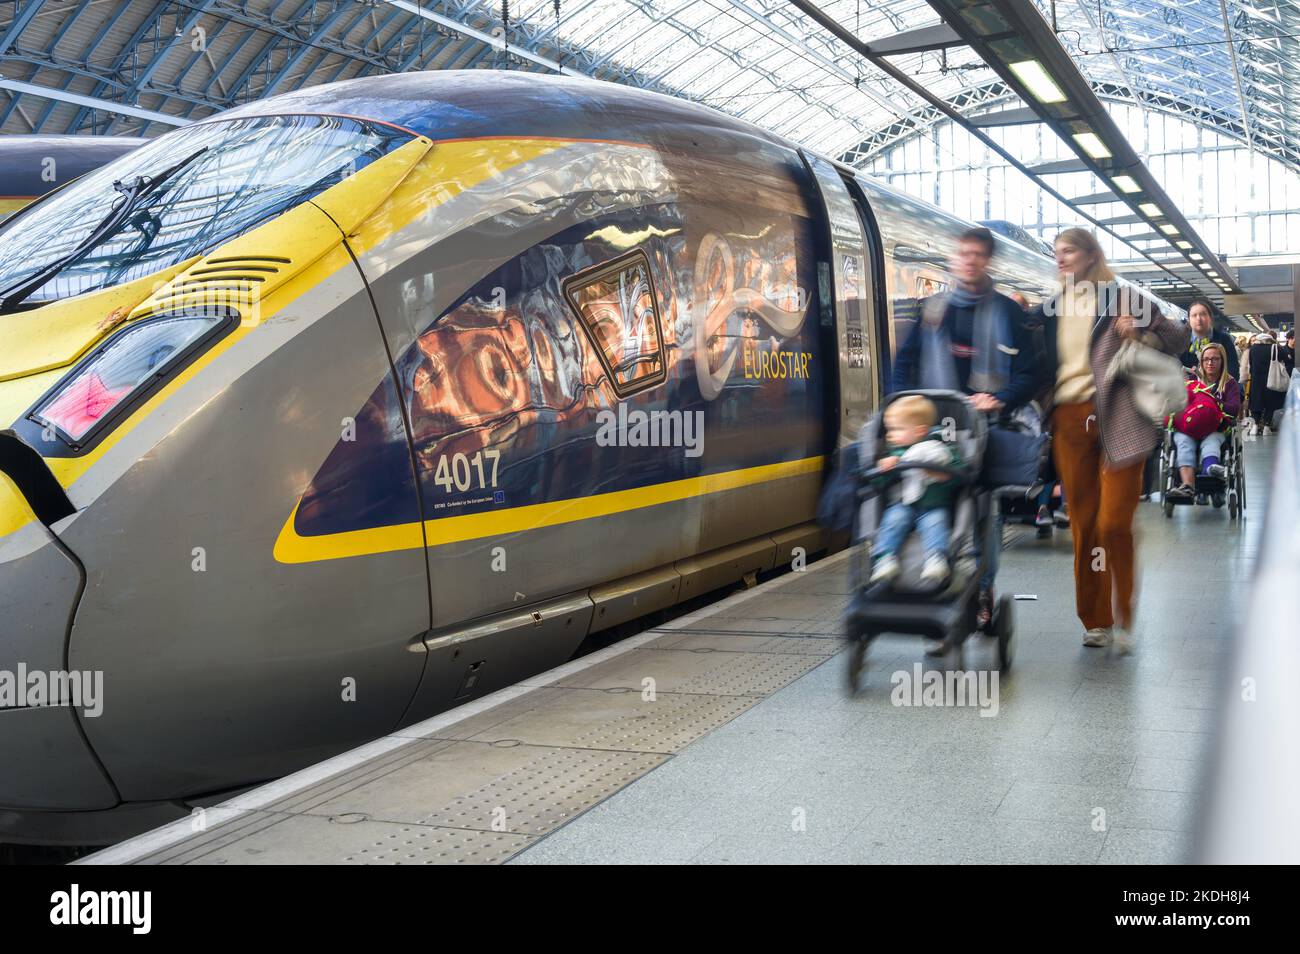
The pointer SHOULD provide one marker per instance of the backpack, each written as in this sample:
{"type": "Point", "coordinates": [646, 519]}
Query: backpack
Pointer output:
{"type": "Point", "coordinates": [1202, 415]}
{"type": "Point", "coordinates": [839, 499]}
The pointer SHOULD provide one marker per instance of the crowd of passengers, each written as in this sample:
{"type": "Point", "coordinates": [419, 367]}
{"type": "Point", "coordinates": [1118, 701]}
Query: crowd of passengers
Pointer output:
{"type": "Point", "coordinates": [1051, 363]}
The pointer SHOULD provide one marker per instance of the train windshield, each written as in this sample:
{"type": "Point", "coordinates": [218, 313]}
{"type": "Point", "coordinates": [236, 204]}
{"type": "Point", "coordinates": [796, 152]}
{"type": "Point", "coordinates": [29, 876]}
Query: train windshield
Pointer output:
{"type": "Point", "coordinates": [177, 197]}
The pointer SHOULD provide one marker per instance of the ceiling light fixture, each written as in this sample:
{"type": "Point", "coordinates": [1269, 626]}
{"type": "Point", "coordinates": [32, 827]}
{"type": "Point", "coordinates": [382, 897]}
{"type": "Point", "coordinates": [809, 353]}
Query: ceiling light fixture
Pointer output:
{"type": "Point", "coordinates": [1041, 86]}
{"type": "Point", "coordinates": [1091, 143]}
{"type": "Point", "coordinates": [1127, 184]}
{"type": "Point", "coordinates": [1149, 208]}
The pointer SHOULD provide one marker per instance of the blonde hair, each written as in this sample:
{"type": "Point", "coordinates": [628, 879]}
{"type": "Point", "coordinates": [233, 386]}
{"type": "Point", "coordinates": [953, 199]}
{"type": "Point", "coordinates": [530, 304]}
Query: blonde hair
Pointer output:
{"type": "Point", "coordinates": [1223, 366]}
{"type": "Point", "coordinates": [913, 411]}
{"type": "Point", "coordinates": [1087, 243]}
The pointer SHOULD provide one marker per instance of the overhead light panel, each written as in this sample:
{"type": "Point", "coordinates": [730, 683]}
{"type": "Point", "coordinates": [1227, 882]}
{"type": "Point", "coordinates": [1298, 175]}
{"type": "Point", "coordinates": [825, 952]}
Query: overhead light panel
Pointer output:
{"type": "Point", "coordinates": [1149, 208]}
{"type": "Point", "coordinates": [1169, 229]}
{"type": "Point", "coordinates": [1041, 86]}
{"type": "Point", "coordinates": [1092, 145]}
{"type": "Point", "coordinates": [1126, 184]}
{"type": "Point", "coordinates": [1195, 256]}
{"type": "Point", "coordinates": [1185, 245]}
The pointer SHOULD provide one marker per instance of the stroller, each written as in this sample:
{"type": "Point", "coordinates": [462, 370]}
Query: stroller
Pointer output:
{"type": "Point", "coordinates": [946, 611]}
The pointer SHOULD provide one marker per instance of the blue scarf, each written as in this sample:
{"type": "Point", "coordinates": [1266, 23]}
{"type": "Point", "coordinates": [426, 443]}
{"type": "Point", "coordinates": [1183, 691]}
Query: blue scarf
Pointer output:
{"type": "Point", "coordinates": [990, 366]}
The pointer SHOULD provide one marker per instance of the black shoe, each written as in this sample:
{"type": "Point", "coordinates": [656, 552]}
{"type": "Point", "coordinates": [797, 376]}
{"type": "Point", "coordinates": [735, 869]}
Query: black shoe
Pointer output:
{"type": "Point", "coordinates": [984, 609]}
{"type": "Point", "coordinates": [1062, 518]}
{"type": "Point", "coordinates": [1202, 500]}
{"type": "Point", "coordinates": [1217, 500]}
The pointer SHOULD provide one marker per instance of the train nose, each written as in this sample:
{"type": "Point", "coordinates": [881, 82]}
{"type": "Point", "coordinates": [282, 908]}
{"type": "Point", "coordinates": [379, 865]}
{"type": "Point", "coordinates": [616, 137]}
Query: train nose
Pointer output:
{"type": "Point", "coordinates": [45, 763]}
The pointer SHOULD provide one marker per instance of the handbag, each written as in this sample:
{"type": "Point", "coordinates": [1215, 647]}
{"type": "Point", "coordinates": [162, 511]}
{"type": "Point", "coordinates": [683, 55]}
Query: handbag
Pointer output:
{"type": "Point", "coordinates": [1277, 376]}
{"type": "Point", "coordinates": [1014, 456]}
{"type": "Point", "coordinates": [1156, 379]}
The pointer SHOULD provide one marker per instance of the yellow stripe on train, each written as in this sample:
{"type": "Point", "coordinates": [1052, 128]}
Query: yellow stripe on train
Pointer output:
{"type": "Point", "coordinates": [292, 548]}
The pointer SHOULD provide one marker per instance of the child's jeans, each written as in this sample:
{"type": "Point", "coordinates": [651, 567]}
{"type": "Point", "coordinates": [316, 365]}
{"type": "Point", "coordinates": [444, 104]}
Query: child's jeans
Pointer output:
{"type": "Point", "coordinates": [898, 521]}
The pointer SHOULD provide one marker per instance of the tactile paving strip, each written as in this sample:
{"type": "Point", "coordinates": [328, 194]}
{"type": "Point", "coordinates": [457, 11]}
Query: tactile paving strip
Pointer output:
{"type": "Point", "coordinates": [759, 674]}
{"type": "Point", "coordinates": [368, 771]}
{"type": "Point", "coordinates": [672, 723]}
{"type": "Point", "coordinates": [413, 845]}
{"type": "Point", "coordinates": [222, 836]}
{"type": "Point", "coordinates": [697, 640]}
{"type": "Point", "coordinates": [767, 627]}
{"type": "Point", "coordinates": [546, 792]}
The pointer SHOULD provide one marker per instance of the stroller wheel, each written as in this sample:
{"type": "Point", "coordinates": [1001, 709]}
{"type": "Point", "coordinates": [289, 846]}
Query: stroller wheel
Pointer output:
{"type": "Point", "coordinates": [1004, 625]}
{"type": "Point", "coordinates": [857, 665]}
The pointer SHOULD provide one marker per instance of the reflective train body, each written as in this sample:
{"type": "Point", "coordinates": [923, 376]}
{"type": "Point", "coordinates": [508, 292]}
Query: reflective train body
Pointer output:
{"type": "Point", "coordinates": [31, 166]}
{"type": "Point", "coordinates": [376, 397]}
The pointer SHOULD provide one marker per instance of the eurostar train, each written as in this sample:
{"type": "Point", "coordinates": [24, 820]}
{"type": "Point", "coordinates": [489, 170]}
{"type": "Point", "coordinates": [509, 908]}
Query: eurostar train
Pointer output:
{"type": "Point", "coordinates": [31, 166]}
{"type": "Point", "coordinates": [323, 413]}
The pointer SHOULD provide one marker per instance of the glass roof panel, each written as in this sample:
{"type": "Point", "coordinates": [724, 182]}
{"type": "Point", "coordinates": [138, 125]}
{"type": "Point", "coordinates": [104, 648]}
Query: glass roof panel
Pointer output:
{"type": "Point", "coordinates": [1225, 63]}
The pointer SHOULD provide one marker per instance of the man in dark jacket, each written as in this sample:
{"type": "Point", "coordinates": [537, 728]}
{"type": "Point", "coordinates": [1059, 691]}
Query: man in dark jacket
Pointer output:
{"type": "Point", "coordinates": [1201, 319]}
{"type": "Point", "coordinates": [982, 332]}
{"type": "Point", "coordinates": [976, 340]}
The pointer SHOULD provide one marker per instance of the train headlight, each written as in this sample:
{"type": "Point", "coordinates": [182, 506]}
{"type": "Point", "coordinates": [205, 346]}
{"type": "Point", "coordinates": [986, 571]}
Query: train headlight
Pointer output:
{"type": "Point", "coordinates": [121, 372]}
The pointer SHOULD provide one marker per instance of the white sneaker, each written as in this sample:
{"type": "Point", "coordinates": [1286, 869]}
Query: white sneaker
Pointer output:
{"type": "Point", "coordinates": [886, 568]}
{"type": "Point", "coordinates": [1123, 641]}
{"type": "Point", "coordinates": [935, 569]}
{"type": "Point", "coordinates": [1217, 471]}
{"type": "Point", "coordinates": [1098, 636]}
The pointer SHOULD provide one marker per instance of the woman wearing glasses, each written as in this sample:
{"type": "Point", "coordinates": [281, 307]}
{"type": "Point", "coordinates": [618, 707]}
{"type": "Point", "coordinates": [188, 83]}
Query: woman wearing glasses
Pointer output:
{"type": "Point", "coordinates": [1213, 387]}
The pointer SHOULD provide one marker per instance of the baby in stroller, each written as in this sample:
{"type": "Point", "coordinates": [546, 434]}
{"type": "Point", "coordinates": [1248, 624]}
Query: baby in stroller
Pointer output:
{"type": "Point", "coordinates": [926, 582]}
{"type": "Point", "coordinates": [922, 498]}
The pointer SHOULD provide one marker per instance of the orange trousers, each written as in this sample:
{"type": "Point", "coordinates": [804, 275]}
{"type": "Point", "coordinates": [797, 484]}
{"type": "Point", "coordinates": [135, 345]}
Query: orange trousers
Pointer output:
{"type": "Point", "coordinates": [1102, 503]}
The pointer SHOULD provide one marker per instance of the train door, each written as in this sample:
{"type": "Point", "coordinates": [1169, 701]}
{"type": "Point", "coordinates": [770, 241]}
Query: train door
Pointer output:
{"type": "Point", "coordinates": [853, 288]}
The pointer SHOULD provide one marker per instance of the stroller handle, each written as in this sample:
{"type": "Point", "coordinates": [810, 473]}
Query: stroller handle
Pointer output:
{"type": "Point", "coordinates": [959, 475]}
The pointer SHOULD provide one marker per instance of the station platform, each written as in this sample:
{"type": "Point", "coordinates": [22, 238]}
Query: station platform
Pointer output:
{"type": "Point", "coordinates": [728, 735]}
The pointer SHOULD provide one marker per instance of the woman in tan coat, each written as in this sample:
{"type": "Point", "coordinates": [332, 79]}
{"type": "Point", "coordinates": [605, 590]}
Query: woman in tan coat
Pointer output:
{"type": "Point", "coordinates": [1100, 440]}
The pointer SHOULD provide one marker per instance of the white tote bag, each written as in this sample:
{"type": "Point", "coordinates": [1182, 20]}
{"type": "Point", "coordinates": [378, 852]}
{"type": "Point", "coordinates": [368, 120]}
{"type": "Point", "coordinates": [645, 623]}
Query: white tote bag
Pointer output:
{"type": "Point", "coordinates": [1156, 379]}
{"type": "Point", "coordinates": [1277, 376]}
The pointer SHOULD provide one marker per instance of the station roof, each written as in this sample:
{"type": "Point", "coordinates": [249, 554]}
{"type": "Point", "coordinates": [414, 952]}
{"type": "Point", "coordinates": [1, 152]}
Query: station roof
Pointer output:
{"type": "Point", "coordinates": [87, 66]}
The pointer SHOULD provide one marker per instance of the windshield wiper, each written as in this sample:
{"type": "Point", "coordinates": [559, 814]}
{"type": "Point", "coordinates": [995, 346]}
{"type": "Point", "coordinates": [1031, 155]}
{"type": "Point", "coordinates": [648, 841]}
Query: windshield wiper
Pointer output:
{"type": "Point", "coordinates": [133, 194]}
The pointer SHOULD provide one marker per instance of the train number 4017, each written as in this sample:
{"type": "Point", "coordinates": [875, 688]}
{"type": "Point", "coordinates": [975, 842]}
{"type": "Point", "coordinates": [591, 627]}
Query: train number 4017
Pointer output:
{"type": "Point", "coordinates": [458, 472]}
